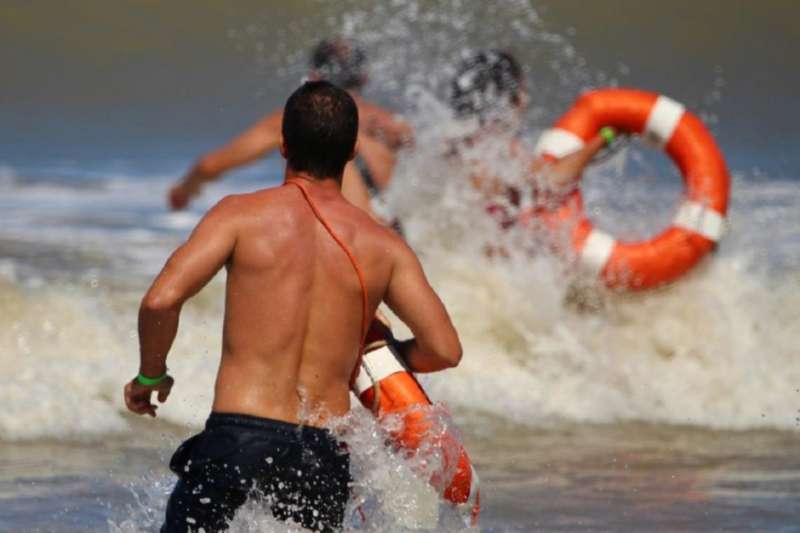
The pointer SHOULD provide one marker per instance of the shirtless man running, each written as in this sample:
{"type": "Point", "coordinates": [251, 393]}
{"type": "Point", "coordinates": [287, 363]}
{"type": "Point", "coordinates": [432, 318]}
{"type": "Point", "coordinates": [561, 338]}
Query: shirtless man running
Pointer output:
{"type": "Point", "coordinates": [305, 272]}
{"type": "Point", "coordinates": [381, 134]}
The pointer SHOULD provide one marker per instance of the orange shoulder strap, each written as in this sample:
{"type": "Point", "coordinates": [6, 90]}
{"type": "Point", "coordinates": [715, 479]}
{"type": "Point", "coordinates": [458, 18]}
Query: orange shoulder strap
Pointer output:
{"type": "Point", "coordinates": [364, 296]}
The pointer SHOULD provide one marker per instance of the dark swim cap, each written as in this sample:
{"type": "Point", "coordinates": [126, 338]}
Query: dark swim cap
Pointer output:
{"type": "Point", "coordinates": [486, 81]}
{"type": "Point", "coordinates": [340, 61]}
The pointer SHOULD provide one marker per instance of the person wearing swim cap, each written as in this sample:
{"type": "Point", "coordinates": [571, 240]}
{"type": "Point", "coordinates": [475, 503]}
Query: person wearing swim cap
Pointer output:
{"type": "Point", "coordinates": [489, 93]}
{"type": "Point", "coordinates": [306, 271]}
{"type": "Point", "coordinates": [381, 133]}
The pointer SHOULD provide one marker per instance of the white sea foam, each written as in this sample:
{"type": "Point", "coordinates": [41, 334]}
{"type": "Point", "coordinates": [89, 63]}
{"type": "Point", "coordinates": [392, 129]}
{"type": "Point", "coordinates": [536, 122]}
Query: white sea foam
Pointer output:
{"type": "Point", "coordinates": [716, 349]}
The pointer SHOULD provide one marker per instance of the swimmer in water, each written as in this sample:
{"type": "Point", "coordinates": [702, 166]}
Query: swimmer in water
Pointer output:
{"type": "Point", "coordinates": [489, 91]}
{"type": "Point", "coordinates": [381, 134]}
{"type": "Point", "coordinates": [306, 270]}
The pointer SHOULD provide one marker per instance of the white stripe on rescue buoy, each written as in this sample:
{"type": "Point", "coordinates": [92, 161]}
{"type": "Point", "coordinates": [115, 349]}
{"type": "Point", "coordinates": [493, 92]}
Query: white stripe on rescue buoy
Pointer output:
{"type": "Point", "coordinates": [662, 121]}
{"type": "Point", "coordinates": [380, 364]}
{"type": "Point", "coordinates": [596, 251]}
{"type": "Point", "coordinates": [558, 143]}
{"type": "Point", "coordinates": [700, 219]}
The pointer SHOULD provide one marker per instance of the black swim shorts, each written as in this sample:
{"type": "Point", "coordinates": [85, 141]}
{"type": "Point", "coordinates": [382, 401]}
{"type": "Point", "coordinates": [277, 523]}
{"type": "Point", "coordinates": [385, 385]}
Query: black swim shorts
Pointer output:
{"type": "Point", "coordinates": [299, 472]}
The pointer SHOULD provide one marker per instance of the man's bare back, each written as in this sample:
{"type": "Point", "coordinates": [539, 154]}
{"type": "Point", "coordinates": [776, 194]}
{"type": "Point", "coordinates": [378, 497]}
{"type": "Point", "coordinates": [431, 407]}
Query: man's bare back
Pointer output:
{"type": "Point", "coordinates": [285, 356]}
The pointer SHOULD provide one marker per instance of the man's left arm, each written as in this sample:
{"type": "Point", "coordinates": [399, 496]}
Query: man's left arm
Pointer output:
{"type": "Point", "coordinates": [187, 271]}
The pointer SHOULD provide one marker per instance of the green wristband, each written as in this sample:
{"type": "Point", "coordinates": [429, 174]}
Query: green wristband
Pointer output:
{"type": "Point", "coordinates": [151, 382]}
{"type": "Point", "coordinates": [608, 133]}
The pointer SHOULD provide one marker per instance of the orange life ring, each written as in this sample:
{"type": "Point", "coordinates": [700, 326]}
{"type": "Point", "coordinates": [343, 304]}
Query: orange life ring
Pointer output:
{"type": "Point", "coordinates": [398, 392]}
{"type": "Point", "coordinates": [699, 222]}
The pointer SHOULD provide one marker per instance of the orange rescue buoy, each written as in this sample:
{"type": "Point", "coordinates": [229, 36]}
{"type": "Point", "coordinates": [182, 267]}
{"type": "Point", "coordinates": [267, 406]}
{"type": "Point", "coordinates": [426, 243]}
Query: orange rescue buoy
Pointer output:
{"type": "Point", "coordinates": [699, 221]}
{"type": "Point", "coordinates": [385, 386]}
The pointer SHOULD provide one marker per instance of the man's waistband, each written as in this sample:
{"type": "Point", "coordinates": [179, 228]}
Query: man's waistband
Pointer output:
{"type": "Point", "coordinates": [267, 424]}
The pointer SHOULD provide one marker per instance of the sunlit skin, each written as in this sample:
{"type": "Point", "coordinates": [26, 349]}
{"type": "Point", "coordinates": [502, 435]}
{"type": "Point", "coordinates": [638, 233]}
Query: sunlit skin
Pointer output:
{"type": "Point", "coordinates": [381, 134]}
{"type": "Point", "coordinates": [292, 302]}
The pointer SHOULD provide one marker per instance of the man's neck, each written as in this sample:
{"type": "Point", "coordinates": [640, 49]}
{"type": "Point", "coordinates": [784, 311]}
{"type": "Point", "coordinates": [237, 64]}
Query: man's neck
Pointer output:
{"type": "Point", "coordinates": [327, 183]}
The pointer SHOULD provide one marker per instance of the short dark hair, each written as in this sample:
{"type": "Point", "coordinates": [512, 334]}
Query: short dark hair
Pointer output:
{"type": "Point", "coordinates": [340, 61]}
{"type": "Point", "coordinates": [486, 81]}
{"type": "Point", "coordinates": [320, 126]}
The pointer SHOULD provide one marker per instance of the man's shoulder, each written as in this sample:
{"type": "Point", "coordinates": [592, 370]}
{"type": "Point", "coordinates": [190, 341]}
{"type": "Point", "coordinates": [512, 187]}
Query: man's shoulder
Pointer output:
{"type": "Point", "coordinates": [383, 238]}
{"type": "Point", "coordinates": [242, 200]}
{"type": "Point", "coordinates": [260, 201]}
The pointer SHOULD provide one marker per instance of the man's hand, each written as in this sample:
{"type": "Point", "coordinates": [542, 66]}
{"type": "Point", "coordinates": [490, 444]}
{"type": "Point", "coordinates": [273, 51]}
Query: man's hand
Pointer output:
{"type": "Point", "coordinates": [183, 192]}
{"type": "Point", "coordinates": [137, 396]}
{"type": "Point", "coordinates": [179, 197]}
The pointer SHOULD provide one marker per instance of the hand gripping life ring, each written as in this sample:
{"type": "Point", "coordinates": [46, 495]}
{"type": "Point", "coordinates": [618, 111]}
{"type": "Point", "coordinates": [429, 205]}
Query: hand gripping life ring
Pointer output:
{"type": "Point", "coordinates": [699, 221]}
{"type": "Point", "coordinates": [385, 386]}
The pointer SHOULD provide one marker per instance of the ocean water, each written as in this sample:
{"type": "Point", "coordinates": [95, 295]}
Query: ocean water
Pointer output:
{"type": "Point", "coordinates": [673, 410]}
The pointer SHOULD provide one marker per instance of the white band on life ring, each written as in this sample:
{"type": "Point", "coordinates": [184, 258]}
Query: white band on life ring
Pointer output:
{"type": "Point", "coordinates": [700, 219]}
{"type": "Point", "coordinates": [379, 364]}
{"type": "Point", "coordinates": [662, 121]}
{"type": "Point", "coordinates": [596, 251]}
{"type": "Point", "coordinates": [558, 143]}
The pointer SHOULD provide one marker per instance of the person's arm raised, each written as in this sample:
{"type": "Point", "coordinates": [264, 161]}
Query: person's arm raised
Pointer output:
{"type": "Point", "coordinates": [435, 345]}
{"type": "Point", "coordinates": [187, 271]}
{"type": "Point", "coordinates": [563, 175]}
{"type": "Point", "coordinates": [253, 143]}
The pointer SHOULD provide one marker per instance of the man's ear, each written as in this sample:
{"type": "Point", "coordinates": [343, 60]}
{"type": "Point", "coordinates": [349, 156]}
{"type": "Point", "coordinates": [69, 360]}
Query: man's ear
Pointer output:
{"type": "Point", "coordinates": [282, 147]}
{"type": "Point", "coordinates": [354, 152]}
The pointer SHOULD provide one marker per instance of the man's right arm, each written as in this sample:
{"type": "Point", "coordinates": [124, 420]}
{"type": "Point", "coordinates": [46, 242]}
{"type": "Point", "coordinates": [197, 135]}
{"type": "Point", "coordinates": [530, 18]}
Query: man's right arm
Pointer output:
{"type": "Point", "coordinates": [186, 272]}
{"type": "Point", "coordinates": [255, 142]}
{"type": "Point", "coordinates": [435, 345]}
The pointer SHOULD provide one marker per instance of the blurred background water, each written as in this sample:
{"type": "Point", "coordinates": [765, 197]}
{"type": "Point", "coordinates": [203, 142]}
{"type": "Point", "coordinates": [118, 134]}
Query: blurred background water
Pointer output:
{"type": "Point", "coordinates": [86, 84]}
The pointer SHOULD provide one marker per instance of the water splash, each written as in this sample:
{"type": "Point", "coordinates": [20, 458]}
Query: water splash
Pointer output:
{"type": "Point", "coordinates": [390, 488]}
